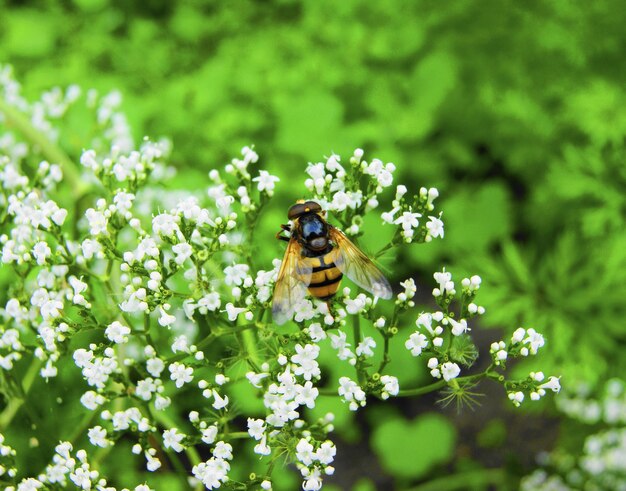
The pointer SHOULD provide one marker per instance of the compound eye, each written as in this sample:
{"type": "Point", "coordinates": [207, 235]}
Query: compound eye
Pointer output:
{"type": "Point", "coordinates": [312, 206]}
{"type": "Point", "coordinates": [296, 210]}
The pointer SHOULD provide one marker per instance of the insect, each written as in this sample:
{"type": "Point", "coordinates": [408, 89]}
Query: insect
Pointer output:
{"type": "Point", "coordinates": [317, 257]}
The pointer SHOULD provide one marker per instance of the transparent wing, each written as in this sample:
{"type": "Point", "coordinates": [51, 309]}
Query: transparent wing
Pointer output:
{"type": "Point", "coordinates": [358, 267]}
{"type": "Point", "coordinates": [291, 284]}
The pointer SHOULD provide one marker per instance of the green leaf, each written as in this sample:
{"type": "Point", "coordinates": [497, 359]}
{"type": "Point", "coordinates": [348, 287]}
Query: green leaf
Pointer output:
{"type": "Point", "coordinates": [309, 123]}
{"type": "Point", "coordinates": [409, 449]}
{"type": "Point", "coordinates": [30, 33]}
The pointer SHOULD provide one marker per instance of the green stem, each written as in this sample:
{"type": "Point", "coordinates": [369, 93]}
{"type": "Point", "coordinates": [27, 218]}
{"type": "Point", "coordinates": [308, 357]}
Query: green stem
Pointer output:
{"type": "Point", "coordinates": [327, 391]}
{"type": "Point", "coordinates": [385, 360]}
{"type": "Point", "coordinates": [52, 152]}
{"type": "Point", "coordinates": [247, 341]}
{"type": "Point", "coordinates": [15, 404]}
{"type": "Point", "coordinates": [356, 328]}
{"type": "Point", "coordinates": [237, 435]}
{"type": "Point", "coordinates": [465, 480]}
{"type": "Point", "coordinates": [418, 391]}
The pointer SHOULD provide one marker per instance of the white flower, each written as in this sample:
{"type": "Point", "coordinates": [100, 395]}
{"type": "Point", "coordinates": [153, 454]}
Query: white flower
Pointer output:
{"type": "Point", "coordinates": [365, 347]}
{"type": "Point", "coordinates": [145, 388]}
{"type": "Point", "coordinates": [262, 448]}
{"type": "Point", "coordinates": [416, 343]}
{"type": "Point", "coordinates": [326, 452]}
{"type": "Point", "coordinates": [444, 279]}
{"type": "Point", "coordinates": [256, 428]}
{"type": "Point", "coordinates": [266, 182]}
{"type": "Point", "coordinates": [339, 342]}
{"type": "Point", "coordinates": [50, 309]}
{"type": "Point", "coordinates": [408, 220]}
{"type": "Point", "coordinates": [235, 274]}
{"type": "Point", "coordinates": [305, 360]}
{"type": "Point", "coordinates": [304, 310]}
{"type": "Point", "coordinates": [435, 227]}
{"type": "Point", "coordinates": [211, 473]}
{"type": "Point", "coordinates": [155, 366]}
{"type": "Point", "coordinates": [390, 386]}
{"type": "Point", "coordinates": [180, 374]}
{"type": "Point", "coordinates": [41, 251]}
{"type": "Point", "coordinates": [518, 335]}
{"type": "Point", "coordinates": [304, 452]}
{"type": "Point", "coordinates": [552, 384]}
{"type": "Point", "coordinates": [351, 392]}
{"type": "Point", "coordinates": [233, 312]}
{"type": "Point", "coordinates": [117, 332]}
{"type": "Point", "coordinates": [183, 252]}
{"type": "Point", "coordinates": [313, 479]}
{"type": "Point", "coordinates": [165, 224]}
{"type": "Point", "coordinates": [219, 402]}
{"type": "Point", "coordinates": [388, 216]}
{"type": "Point", "coordinates": [152, 462]}
{"type": "Point", "coordinates": [165, 319]}
{"type": "Point", "coordinates": [306, 394]}
{"type": "Point", "coordinates": [354, 306]}
{"type": "Point", "coordinates": [255, 378]}
{"type": "Point", "coordinates": [516, 398]}
{"type": "Point", "coordinates": [534, 339]}
{"type": "Point", "coordinates": [97, 222]}
{"type": "Point", "coordinates": [409, 288]}
{"type": "Point", "coordinates": [223, 450]}
{"type": "Point", "coordinates": [316, 332]}
{"type": "Point", "coordinates": [209, 434]}
{"type": "Point", "coordinates": [458, 327]}
{"type": "Point", "coordinates": [123, 201]}
{"type": "Point", "coordinates": [450, 370]}
{"type": "Point", "coordinates": [98, 437]}
{"type": "Point", "coordinates": [211, 301]}
{"type": "Point", "coordinates": [91, 400]}
{"type": "Point", "coordinates": [79, 287]}
{"type": "Point", "coordinates": [501, 355]}
{"type": "Point", "coordinates": [172, 439]}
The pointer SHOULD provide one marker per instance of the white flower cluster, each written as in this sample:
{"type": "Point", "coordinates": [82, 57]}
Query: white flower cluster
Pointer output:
{"type": "Point", "coordinates": [169, 304]}
{"type": "Point", "coordinates": [602, 465]}
{"type": "Point", "coordinates": [7, 455]}
{"type": "Point", "coordinates": [432, 328]}
{"type": "Point", "coordinates": [339, 190]}
{"type": "Point", "coordinates": [609, 408]}
{"type": "Point", "coordinates": [524, 342]}
{"type": "Point", "coordinates": [51, 106]}
{"type": "Point", "coordinates": [67, 465]}
{"type": "Point", "coordinates": [293, 388]}
{"type": "Point", "coordinates": [44, 113]}
{"type": "Point", "coordinates": [407, 215]}
{"type": "Point", "coordinates": [601, 462]}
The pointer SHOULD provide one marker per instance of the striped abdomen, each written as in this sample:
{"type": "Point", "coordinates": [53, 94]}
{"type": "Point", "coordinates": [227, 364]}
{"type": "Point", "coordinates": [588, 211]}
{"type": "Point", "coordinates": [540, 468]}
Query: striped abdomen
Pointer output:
{"type": "Point", "coordinates": [325, 277]}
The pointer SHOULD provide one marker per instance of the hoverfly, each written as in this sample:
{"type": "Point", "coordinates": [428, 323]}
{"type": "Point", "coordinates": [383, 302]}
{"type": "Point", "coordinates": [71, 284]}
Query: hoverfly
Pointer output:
{"type": "Point", "coordinates": [317, 257]}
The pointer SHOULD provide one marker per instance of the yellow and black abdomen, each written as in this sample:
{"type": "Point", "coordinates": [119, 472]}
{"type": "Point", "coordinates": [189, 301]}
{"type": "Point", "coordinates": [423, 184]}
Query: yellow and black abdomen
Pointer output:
{"type": "Point", "coordinates": [325, 277]}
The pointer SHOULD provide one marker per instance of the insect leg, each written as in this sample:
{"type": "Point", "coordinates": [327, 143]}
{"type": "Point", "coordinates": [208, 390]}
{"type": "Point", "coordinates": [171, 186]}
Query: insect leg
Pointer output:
{"type": "Point", "coordinates": [283, 228]}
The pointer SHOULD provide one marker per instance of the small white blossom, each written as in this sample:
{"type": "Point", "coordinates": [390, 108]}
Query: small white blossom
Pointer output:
{"type": "Point", "coordinates": [450, 370]}
{"type": "Point", "coordinates": [416, 343]}
{"type": "Point", "coordinates": [266, 182]}
{"type": "Point", "coordinates": [172, 439]}
{"type": "Point", "coordinates": [180, 374]}
{"type": "Point", "coordinates": [117, 332]}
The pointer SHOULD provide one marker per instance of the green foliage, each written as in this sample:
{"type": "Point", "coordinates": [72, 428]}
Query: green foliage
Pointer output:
{"type": "Point", "coordinates": [513, 110]}
{"type": "Point", "coordinates": [401, 445]}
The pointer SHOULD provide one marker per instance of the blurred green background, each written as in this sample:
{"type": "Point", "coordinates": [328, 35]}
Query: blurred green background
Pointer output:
{"type": "Point", "coordinates": [514, 110]}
